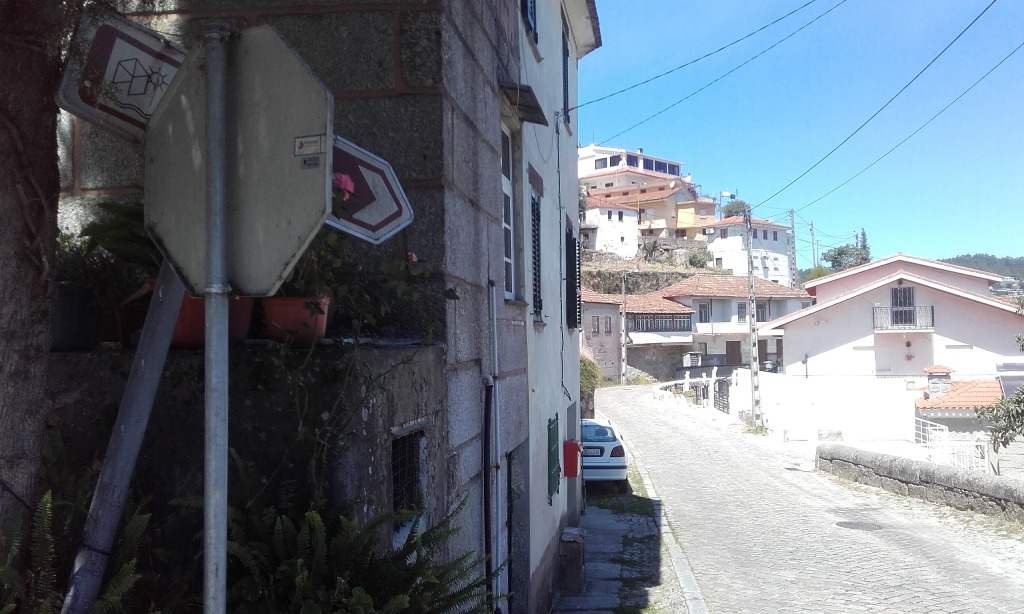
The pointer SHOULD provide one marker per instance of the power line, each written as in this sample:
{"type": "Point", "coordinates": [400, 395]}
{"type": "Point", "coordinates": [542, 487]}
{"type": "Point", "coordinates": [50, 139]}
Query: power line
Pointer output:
{"type": "Point", "coordinates": [873, 115]}
{"type": "Point", "coordinates": [691, 62]}
{"type": "Point", "coordinates": [706, 86]}
{"type": "Point", "coordinates": [922, 127]}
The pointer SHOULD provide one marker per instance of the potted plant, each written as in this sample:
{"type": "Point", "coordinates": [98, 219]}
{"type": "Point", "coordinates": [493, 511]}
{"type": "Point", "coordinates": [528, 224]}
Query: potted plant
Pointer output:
{"type": "Point", "coordinates": [298, 312]}
{"type": "Point", "coordinates": [120, 231]}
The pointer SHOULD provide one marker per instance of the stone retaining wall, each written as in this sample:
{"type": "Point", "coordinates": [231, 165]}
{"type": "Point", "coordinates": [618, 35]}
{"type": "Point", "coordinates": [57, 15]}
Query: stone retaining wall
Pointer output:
{"type": "Point", "coordinates": [965, 490]}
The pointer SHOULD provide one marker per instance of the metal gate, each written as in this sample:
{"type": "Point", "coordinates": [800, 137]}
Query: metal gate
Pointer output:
{"type": "Point", "coordinates": [722, 395]}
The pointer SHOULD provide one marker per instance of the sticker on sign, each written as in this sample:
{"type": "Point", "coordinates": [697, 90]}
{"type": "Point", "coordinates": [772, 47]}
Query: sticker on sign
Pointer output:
{"type": "Point", "coordinates": [121, 76]}
{"type": "Point", "coordinates": [310, 145]}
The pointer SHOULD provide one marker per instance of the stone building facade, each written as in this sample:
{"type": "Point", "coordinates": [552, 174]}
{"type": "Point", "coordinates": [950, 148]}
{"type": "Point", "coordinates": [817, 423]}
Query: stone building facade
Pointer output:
{"type": "Point", "coordinates": [450, 92]}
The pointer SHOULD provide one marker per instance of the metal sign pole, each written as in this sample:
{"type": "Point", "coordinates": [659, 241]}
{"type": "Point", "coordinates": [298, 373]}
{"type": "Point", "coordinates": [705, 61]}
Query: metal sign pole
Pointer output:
{"type": "Point", "coordinates": [215, 483]}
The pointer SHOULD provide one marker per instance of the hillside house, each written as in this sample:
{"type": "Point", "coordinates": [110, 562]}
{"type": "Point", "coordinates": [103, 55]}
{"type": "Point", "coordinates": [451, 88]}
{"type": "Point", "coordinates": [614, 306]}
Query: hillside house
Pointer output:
{"type": "Point", "coordinates": [896, 316]}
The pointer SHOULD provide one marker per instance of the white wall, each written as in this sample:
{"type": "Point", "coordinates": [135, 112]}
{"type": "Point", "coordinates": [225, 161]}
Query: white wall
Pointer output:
{"type": "Point", "coordinates": [860, 408]}
{"type": "Point", "coordinates": [733, 252]}
{"type": "Point", "coordinates": [619, 238]}
{"type": "Point", "coordinates": [553, 350]}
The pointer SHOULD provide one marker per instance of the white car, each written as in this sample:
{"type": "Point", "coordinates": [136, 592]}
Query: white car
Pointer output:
{"type": "Point", "coordinates": [604, 455]}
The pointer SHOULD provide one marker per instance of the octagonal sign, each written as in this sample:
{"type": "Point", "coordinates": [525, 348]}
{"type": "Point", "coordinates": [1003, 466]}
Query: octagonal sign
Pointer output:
{"type": "Point", "coordinates": [279, 158]}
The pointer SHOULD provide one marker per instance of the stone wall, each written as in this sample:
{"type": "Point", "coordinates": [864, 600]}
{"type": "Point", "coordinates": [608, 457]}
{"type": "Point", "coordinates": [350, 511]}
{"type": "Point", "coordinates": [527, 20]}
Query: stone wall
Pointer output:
{"type": "Point", "coordinates": [661, 362]}
{"type": "Point", "coordinates": [367, 395]}
{"type": "Point", "coordinates": [965, 490]}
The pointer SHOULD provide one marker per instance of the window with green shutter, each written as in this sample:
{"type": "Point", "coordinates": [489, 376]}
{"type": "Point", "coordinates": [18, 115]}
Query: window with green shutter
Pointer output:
{"type": "Point", "coordinates": [554, 468]}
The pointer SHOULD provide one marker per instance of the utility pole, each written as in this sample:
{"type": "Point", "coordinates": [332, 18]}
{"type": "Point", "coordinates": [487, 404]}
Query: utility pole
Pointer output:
{"type": "Point", "coordinates": [622, 329]}
{"type": "Point", "coordinates": [793, 282]}
{"type": "Point", "coordinates": [755, 392]}
{"type": "Point", "coordinates": [814, 247]}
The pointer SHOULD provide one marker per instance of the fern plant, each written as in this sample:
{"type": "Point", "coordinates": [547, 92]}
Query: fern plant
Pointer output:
{"type": "Point", "coordinates": [320, 560]}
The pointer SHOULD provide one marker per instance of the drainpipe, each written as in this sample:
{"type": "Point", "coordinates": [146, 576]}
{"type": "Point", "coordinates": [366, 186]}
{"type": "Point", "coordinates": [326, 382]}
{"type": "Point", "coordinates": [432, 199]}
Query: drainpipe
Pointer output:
{"type": "Point", "coordinates": [494, 457]}
{"type": "Point", "coordinates": [486, 464]}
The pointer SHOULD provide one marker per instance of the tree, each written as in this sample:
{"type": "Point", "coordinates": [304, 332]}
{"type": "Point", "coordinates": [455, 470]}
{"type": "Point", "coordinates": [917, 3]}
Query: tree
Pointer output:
{"type": "Point", "coordinates": [845, 257]}
{"type": "Point", "coordinates": [862, 242]}
{"type": "Point", "coordinates": [815, 273]}
{"type": "Point", "coordinates": [1007, 415]}
{"type": "Point", "coordinates": [31, 35]}
{"type": "Point", "coordinates": [734, 209]}
{"type": "Point", "coordinates": [698, 258]}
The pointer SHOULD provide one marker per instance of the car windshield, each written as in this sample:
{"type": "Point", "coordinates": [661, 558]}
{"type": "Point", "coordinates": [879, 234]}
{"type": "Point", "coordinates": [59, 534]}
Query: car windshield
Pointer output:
{"type": "Point", "coordinates": [597, 432]}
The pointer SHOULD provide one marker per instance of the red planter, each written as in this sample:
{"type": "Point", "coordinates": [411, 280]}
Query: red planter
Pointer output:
{"type": "Point", "coordinates": [190, 328]}
{"type": "Point", "coordinates": [294, 319]}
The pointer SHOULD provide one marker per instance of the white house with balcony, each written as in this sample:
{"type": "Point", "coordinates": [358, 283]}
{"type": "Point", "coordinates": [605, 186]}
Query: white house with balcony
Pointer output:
{"type": "Point", "coordinates": [719, 321]}
{"type": "Point", "coordinates": [898, 316]}
{"type": "Point", "coordinates": [773, 248]}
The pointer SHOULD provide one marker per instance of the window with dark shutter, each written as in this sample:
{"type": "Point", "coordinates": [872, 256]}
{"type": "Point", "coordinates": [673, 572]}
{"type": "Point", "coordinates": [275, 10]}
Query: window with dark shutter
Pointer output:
{"type": "Point", "coordinates": [572, 286]}
{"type": "Point", "coordinates": [554, 468]}
{"type": "Point", "coordinates": [529, 8]}
{"type": "Point", "coordinates": [538, 299]}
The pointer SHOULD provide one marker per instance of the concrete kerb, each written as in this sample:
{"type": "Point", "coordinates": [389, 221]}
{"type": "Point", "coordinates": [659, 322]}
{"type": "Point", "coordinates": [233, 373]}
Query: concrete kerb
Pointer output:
{"type": "Point", "coordinates": [680, 565]}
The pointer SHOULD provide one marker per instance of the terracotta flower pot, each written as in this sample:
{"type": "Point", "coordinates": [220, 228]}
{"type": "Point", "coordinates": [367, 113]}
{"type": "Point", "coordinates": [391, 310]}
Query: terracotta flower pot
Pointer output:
{"type": "Point", "coordinates": [190, 328]}
{"type": "Point", "coordinates": [295, 319]}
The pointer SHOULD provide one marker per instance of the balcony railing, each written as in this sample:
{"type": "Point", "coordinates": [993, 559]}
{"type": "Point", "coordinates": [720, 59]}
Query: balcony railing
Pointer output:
{"type": "Point", "coordinates": [904, 318]}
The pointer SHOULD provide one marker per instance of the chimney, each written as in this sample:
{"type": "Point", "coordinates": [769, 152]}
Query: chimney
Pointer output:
{"type": "Point", "coordinates": [640, 150]}
{"type": "Point", "coordinates": [938, 379]}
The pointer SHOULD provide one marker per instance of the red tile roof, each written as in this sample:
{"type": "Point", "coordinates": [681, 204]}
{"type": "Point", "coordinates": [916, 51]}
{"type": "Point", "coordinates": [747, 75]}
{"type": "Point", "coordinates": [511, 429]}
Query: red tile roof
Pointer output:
{"type": "Point", "coordinates": [728, 286]}
{"type": "Point", "coordinates": [654, 303]}
{"type": "Point", "coordinates": [938, 369]}
{"type": "Point", "coordinates": [589, 296]}
{"type": "Point", "coordinates": [964, 395]}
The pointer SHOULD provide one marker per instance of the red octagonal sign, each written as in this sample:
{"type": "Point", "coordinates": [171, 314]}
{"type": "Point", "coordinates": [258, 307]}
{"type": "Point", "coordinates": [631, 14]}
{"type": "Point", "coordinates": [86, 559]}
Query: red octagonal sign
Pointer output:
{"type": "Point", "coordinates": [369, 202]}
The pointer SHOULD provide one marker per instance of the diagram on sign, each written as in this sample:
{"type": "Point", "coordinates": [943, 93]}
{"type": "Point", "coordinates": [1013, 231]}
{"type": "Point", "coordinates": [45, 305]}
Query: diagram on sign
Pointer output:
{"type": "Point", "coordinates": [135, 78]}
{"type": "Point", "coordinates": [119, 81]}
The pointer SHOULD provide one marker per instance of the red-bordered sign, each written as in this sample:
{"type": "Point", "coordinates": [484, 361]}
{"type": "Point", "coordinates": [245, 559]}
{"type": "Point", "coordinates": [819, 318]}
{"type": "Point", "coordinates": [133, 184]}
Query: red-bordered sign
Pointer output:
{"type": "Point", "coordinates": [120, 74]}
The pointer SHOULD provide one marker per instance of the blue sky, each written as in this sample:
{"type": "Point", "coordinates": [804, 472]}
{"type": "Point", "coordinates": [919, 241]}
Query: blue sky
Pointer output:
{"type": "Point", "coordinates": [957, 187]}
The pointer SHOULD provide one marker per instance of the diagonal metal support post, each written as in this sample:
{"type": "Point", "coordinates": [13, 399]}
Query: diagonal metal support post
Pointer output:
{"type": "Point", "coordinates": [125, 443]}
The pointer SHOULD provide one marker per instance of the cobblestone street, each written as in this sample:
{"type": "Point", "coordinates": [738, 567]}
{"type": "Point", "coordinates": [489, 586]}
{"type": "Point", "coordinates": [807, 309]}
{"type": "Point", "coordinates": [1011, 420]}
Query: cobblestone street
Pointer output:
{"type": "Point", "coordinates": [763, 532]}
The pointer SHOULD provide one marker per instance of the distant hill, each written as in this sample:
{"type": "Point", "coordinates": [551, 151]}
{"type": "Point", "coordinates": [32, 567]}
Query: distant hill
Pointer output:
{"type": "Point", "coordinates": [1009, 267]}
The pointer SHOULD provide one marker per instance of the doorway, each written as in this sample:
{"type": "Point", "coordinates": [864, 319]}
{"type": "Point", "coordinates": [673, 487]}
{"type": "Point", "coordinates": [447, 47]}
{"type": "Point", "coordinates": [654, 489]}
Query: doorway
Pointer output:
{"type": "Point", "coordinates": [733, 353]}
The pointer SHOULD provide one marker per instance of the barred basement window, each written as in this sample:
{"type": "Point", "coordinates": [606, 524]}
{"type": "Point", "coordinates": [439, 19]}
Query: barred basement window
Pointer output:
{"type": "Point", "coordinates": [554, 468]}
{"type": "Point", "coordinates": [538, 299]}
{"type": "Point", "coordinates": [406, 462]}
